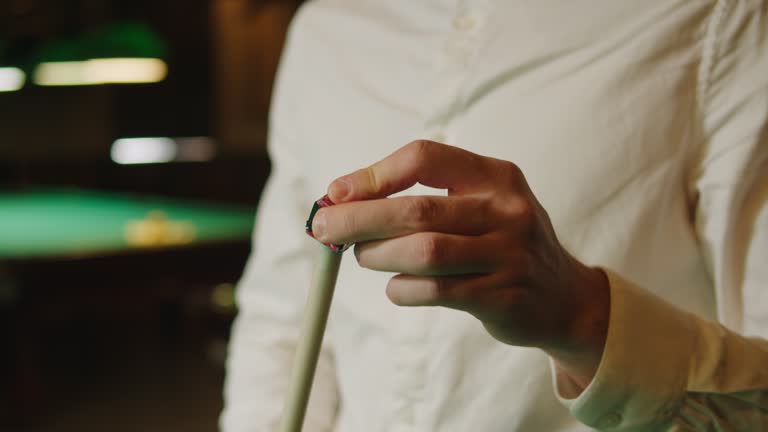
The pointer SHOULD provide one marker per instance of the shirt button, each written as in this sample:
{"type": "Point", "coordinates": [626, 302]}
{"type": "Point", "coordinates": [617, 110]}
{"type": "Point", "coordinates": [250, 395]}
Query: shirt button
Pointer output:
{"type": "Point", "coordinates": [464, 22]}
{"type": "Point", "coordinates": [610, 420]}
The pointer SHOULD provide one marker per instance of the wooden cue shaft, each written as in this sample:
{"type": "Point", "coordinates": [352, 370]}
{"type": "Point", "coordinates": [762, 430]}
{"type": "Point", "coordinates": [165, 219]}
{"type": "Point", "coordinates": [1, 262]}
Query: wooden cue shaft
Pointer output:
{"type": "Point", "coordinates": [308, 350]}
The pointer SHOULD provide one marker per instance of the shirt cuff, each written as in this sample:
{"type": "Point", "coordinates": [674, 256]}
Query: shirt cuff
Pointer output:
{"type": "Point", "coordinates": [642, 376]}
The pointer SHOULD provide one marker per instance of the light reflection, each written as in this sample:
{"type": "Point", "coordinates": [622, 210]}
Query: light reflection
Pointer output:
{"type": "Point", "coordinates": [100, 71]}
{"type": "Point", "coordinates": [11, 79]}
{"type": "Point", "coordinates": [144, 150]}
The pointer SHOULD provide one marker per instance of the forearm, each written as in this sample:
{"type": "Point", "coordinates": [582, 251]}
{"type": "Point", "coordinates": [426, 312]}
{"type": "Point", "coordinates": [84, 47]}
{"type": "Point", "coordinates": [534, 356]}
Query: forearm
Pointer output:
{"type": "Point", "coordinates": [664, 368]}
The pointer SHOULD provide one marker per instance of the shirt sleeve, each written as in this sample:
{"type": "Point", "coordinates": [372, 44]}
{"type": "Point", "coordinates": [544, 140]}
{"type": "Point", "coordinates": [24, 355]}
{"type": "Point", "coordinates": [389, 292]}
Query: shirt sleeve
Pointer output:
{"type": "Point", "coordinates": [272, 292]}
{"type": "Point", "coordinates": [678, 371]}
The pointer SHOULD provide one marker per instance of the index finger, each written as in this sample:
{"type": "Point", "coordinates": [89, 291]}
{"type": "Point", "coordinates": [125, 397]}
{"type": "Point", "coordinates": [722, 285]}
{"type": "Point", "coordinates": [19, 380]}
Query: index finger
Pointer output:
{"type": "Point", "coordinates": [394, 217]}
{"type": "Point", "coordinates": [432, 164]}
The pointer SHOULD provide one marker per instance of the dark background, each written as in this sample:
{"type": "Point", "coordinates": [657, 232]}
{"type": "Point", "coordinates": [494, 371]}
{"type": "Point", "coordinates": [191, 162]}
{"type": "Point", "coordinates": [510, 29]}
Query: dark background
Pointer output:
{"type": "Point", "coordinates": [117, 342]}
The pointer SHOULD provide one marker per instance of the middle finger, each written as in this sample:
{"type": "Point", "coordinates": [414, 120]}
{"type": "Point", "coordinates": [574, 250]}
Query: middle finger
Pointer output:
{"type": "Point", "coordinates": [429, 254]}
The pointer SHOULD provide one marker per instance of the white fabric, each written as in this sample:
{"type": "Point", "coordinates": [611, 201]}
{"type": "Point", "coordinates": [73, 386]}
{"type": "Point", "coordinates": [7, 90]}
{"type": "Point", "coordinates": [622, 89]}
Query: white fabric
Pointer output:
{"type": "Point", "coordinates": [641, 126]}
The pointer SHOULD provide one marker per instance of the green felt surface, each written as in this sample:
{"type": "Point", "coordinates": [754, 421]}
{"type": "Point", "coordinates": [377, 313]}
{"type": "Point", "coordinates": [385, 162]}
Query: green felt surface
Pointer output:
{"type": "Point", "coordinates": [42, 223]}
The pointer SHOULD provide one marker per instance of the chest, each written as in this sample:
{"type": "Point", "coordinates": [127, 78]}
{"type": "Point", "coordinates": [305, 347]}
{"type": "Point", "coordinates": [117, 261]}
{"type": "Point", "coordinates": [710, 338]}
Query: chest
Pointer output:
{"type": "Point", "coordinates": [580, 104]}
{"type": "Point", "coordinates": [585, 103]}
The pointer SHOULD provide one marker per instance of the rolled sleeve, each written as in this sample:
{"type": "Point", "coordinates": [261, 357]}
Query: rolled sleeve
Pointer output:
{"type": "Point", "coordinates": [642, 375]}
{"type": "Point", "coordinates": [666, 369]}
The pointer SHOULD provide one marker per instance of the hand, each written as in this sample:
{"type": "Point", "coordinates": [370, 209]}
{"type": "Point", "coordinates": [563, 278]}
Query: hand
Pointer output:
{"type": "Point", "coordinates": [488, 248]}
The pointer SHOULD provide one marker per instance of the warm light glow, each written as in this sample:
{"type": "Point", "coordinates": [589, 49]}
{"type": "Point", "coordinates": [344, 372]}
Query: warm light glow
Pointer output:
{"type": "Point", "coordinates": [11, 79]}
{"type": "Point", "coordinates": [127, 70]}
{"type": "Point", "coordinates": [162, 149]}
{"type": "Point", "coordinates": [101, 71]}
{"type": "Point", "coordinates": [143, 150]}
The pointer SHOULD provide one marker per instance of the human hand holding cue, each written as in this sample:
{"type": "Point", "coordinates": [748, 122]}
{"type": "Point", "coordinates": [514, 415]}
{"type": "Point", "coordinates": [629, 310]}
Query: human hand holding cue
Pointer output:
{"type": "Point", "coordinates": [488, 248]}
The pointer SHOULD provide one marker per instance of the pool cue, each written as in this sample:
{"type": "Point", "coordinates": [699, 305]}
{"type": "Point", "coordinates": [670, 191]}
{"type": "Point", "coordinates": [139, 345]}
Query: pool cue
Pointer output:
{"type": "Point", "coordinates": [310, 341]}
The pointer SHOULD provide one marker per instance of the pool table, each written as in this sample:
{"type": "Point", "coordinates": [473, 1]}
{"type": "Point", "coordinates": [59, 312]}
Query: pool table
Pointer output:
{"type": "Point", "coordinates": [67, 223]}
{"type": "Point", "coordinates": [103, 261]}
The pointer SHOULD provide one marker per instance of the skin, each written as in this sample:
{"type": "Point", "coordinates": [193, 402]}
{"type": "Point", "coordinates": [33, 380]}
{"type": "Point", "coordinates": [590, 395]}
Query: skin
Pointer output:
{"type": "Point", "coordinates": [488, 248]}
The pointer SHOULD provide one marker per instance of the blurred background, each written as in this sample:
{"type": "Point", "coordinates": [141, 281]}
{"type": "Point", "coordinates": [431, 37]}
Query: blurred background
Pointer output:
{"type": "Point", "coordinates": [132, 156]}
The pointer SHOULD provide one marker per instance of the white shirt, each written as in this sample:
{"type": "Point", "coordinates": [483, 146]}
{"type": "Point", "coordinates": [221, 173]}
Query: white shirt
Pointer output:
{"type": "Point", "coordinates": [641, 126]}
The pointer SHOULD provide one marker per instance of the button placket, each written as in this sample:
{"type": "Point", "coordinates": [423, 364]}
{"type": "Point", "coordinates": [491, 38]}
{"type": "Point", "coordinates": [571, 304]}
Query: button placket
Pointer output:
{"type": "Point", "coordinates": [451, 62]}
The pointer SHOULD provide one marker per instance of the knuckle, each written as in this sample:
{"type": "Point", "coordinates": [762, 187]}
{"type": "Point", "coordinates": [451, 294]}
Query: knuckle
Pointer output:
{"type": "Point", "coordinates": [514, 169]}
{"type": "Point", "coordinates": [428, 252]}
{"type": "Point", "coordinates": [524, 210]}
{"type": "Point", "coordinates": [440, 290]}
{"type": "Point", "coordinates": [519, 209]}
{"type": "Point", "coordinates": [484, 208]}
{"type": "Point", "coordinates": [512, 174]}
{"type": "Point", "coordinates": [419, 150]}
{"type": "Point", "coordinates": [348, 224]}
{"type": "Point", "coordinates": [421, 211]}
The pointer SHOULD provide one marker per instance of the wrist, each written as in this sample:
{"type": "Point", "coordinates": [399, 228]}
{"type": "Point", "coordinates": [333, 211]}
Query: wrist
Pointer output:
{"type": "Point", "coordinates": [579, 358]}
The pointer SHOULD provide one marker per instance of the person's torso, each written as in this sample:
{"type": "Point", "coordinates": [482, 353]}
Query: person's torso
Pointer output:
{"type": "Point", "coordinates": [594, 100]}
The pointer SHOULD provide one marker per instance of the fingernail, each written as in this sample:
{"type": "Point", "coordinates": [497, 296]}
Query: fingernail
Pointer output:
{"type": "Point", "coordinates": [339, 189]}
{"type": "Point", "coordinates": [318, 225]}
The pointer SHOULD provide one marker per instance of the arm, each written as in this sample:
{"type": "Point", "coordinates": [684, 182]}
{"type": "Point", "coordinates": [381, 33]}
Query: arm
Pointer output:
{"type": "Point", "coordinates": [675, 372]}
{"type": "Point", "coordinates": [681, 372]}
